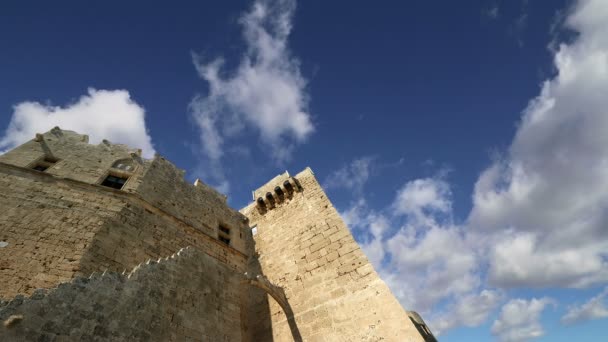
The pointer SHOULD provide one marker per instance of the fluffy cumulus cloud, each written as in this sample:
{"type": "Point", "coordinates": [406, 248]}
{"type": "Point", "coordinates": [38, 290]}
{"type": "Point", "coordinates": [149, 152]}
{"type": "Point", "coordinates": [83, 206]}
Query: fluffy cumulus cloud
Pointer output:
{"type": "Point", "coordinates": [432, 264]}
{"type": "Point", "coordinates": [470, 310]}
{"type": "Point", "coordinates": [519, 319]}
{"type": "Point", "coordinates": [548, 197]}
{"type": "Point", "coordinates": [594, 308]}
{"type": "Point", "coordinates": [428, 261]}
{"type": "Point", "coordinates": [539, 213]}
{"type": "Point", "coordinates": [266, 92]}
{"type": "Point", "coordinates": [422, 197]}
{"type": "Point", "coordinates": [102, 114]}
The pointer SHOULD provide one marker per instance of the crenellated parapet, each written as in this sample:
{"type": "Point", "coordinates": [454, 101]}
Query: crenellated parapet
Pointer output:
{"type": "Point", "coordinates": [279, 191]}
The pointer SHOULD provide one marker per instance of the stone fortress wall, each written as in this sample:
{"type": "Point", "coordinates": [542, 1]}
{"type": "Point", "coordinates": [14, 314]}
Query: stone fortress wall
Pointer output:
{"type": "Point", "coordinates": [302, 277]}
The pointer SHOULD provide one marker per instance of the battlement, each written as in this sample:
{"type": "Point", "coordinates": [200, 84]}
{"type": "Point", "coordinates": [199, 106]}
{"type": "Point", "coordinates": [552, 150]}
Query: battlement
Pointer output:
{"type": "Point", "coordinates": [276, 192]}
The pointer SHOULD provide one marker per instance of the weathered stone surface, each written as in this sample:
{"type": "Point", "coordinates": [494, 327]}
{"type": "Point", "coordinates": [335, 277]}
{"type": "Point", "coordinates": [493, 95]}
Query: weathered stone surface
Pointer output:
{"type": "Point", "coordinates": [60, 225]}
{"type": "Point", "coordinates": [186, 297]}
{"type": "Point", "coordinates": [333, 290]}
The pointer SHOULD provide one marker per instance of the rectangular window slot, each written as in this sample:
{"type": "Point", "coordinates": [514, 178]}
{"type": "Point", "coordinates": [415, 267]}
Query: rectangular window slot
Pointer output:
{"type": "Point", "coordinates": [44, 164]}
{"type": "Point", "coordinates": [40, 167]}
{"type": "Point", "coordinates": [224, 240]}
{"type": "Point", "coordinates": [114, 182]}
{"type": "Point", "coordinates": [225, 230]}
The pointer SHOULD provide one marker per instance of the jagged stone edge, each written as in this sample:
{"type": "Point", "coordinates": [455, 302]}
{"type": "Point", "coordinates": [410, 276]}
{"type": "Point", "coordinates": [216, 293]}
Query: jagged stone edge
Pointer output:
{"type": "Point", "coordinates": [95, 276]}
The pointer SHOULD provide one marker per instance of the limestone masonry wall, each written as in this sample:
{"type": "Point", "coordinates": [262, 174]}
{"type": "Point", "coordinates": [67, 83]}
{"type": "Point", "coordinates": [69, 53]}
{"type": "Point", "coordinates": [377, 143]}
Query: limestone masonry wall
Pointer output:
{"type": "Point", "coordinates": [46, 227]}
{"type": "Point", "coordinates": [333, 290]}
{"type": "Point", "coordinates": [302, 277]}
{"type": "Point", "coordinates": [187, 297]}
{"type": "Point", "coordinates": [58, 224]}
{"type": "Point", "coordinates": [199, 206]}
{"type": "Point", "coordinates": [76, 158]}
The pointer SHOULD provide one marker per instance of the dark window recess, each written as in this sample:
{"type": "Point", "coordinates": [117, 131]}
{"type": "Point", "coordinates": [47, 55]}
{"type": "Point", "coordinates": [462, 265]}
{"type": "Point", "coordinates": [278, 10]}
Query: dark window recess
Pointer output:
{"type": "Point", "coordinates": [40, 168]}
{"type": "Point", "coordinates": [225, 230]}
{"type": "Point", "coordinates": [114, 182]}
{"type": "Point", "coordinates": [224, 240]}
{"type": "Point", "coordinates": [44, 164]}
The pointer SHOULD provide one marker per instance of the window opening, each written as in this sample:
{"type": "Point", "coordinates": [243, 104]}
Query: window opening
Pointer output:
{"type": "Point", "coordinates": [40, 168]}
{"type": "Point", "coordinates": [224, 234]}
{"type": "Point", "coordinates": [114, 182]}
{"type": "Point", "coordinates": [44, 164]}
{"type": "Point", "coordinates": [225, 230]}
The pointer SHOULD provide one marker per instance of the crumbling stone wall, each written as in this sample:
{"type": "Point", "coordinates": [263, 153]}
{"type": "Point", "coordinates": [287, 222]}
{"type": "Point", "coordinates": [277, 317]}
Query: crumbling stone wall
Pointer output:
{"type": "Point", "coordinates": [187, 297]}
{"type": "Point", "coordinates": [333, 290]}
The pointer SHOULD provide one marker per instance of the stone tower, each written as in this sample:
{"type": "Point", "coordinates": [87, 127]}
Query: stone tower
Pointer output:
{"type": "Point", "coordinates": [304, 247]}
{"type": "Point", "coordinates": [97, 243]}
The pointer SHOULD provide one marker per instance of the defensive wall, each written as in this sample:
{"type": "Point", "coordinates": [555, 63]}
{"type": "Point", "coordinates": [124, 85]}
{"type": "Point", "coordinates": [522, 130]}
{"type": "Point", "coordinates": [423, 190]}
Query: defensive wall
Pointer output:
{"type": "Point", "coordinates": [77, 220]}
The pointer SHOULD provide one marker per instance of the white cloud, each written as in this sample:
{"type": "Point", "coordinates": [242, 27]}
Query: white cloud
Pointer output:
{"type": "Point", "coordinates": [492, 12]}
{"type": "Point", "coordinates": [546, 203]}
{"type": "Point", "coordinates": [594, 308]}
{"type": "Point", "coordinates": [266, 92]}
{"type": "Point", "coordinates": [102, 114]}
{"type": "Point", "coordinates": [421, 196]}
{"type": "Point", "coordinates": [539, 213]}
{"type": "Point", "coordinates": [425, 259]}
{"type": "Point", "coordinates": [519, 319]}
{"type": "Point", "coordinates": [471, 310]}
{"type": "Point", "coordinates": [369, 227]}
{"type": "Point", "coordinates": [430, 262]}
{"type": "Point", "coordinates": [352, 176]}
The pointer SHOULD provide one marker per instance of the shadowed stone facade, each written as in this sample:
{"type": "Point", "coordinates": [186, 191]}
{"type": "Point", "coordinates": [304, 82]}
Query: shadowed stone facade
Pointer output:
{"type": "Point", "coordinates": [70, 209]}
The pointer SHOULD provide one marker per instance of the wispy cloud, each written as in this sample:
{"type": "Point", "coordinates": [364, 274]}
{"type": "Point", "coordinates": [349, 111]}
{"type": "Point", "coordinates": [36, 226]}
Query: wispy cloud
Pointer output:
{"type": "Point", "coordinates": [266, 94]}
{"type": "Point", "coordinates": [594, 308]}
{"type": "Point", "coordinates": [352, 176]}
{"type": "Point", "coordinates": [518, 27]}
{"type": "Point", "coordinates": [102, 114]}
{"type": "Point", "coordinates": [491, 12]}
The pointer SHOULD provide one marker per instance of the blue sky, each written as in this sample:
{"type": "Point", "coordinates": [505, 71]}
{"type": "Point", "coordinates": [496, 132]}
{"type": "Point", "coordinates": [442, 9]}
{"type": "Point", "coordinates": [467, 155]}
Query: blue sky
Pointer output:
{"type": "Point", "coordinates": [464, 142]}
